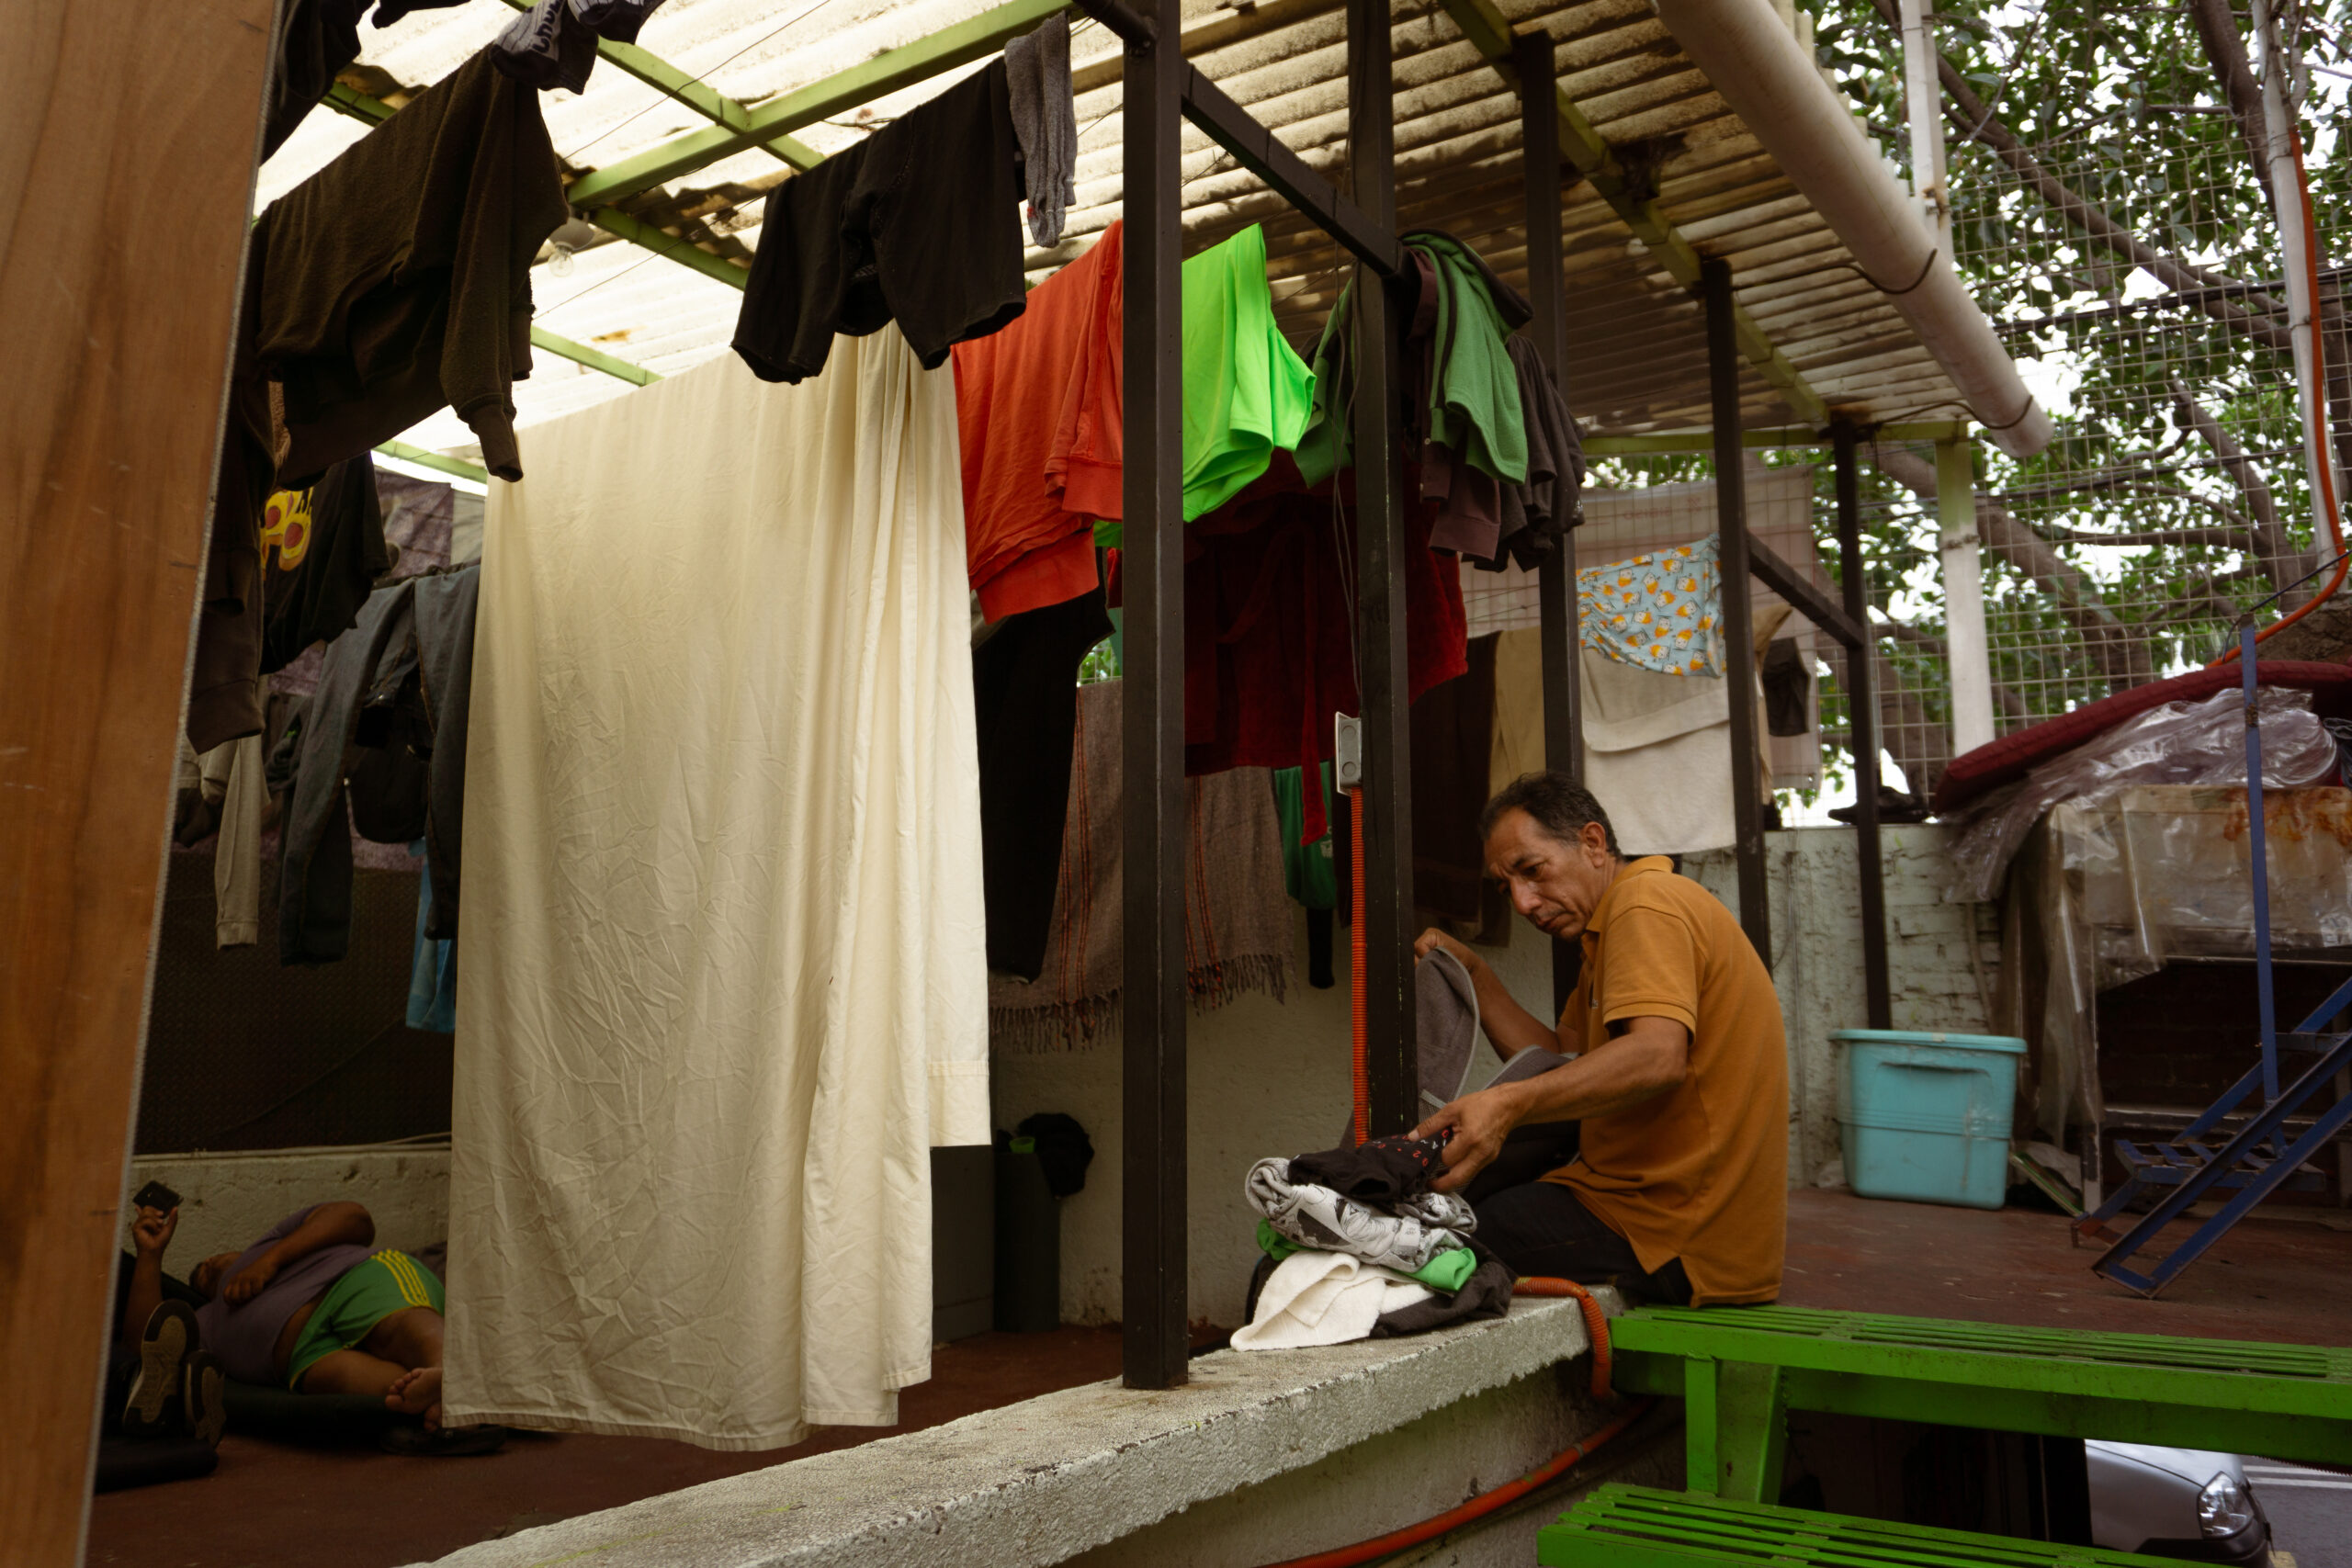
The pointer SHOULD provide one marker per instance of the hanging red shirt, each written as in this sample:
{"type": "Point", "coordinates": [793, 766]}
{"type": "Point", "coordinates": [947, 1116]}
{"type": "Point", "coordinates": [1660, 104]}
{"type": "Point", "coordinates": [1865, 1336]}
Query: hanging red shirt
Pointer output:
{"type": "Point", "coordinates": [1038, 410]}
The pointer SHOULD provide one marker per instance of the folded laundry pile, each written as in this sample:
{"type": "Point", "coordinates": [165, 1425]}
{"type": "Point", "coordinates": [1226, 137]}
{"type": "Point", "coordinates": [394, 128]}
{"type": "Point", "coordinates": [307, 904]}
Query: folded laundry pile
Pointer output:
{"type": "Point", "coordinates": [1355, 1246]}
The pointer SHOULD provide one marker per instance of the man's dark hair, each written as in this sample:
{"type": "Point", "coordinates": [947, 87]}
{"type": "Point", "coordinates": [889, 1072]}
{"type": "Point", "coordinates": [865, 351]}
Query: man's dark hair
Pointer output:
{"type": "Point", "coordinates": [1559, 805]}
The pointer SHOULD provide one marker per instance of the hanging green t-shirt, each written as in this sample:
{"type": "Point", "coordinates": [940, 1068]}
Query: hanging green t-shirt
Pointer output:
{"type": "Point", "coordinates": [1247, 392]}
{"type": "Point", "coordinates": [1474, 406]}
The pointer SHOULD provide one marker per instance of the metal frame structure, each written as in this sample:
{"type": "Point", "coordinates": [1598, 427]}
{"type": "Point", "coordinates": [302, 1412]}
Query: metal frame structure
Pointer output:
{"type": "Point", "coordinates": [1162, 90]}
{"type": "Point", "coordinates": [2258, 1159]}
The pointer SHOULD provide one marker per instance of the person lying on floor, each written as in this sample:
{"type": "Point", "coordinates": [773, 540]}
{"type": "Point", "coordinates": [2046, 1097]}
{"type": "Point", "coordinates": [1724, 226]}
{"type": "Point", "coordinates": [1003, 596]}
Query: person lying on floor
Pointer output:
{"type": "Point", "coordinates": [165, 1411]}
{"type": "Point", "coordinates": [1655, 1158]}
{"type": "Point", "coordinates": [315, 1307]}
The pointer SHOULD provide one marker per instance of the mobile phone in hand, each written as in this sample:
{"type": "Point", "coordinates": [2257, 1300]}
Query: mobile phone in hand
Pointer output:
{"type": "Point", "coordinates": [156, 1196]}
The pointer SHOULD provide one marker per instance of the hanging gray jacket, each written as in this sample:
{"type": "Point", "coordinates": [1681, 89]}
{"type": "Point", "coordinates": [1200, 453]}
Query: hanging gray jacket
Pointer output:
{"type": "Point", "coordinates": [426, 625]}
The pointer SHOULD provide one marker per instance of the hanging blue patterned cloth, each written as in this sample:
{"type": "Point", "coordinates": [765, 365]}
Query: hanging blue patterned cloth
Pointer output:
{"type": "Point", "coordinates": [1659, 610]}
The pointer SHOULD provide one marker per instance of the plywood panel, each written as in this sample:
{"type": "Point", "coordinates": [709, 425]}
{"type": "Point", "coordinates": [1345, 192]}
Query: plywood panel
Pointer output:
{"type": "Point", "coordinates": [127, 142]}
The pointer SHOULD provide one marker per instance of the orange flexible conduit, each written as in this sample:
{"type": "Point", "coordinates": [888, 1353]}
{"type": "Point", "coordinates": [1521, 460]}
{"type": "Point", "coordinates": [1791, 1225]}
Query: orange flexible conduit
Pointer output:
{"type": "Point", "coordinates": [2326, 464]}
{"type": "Point", "coordinates": [1362, 1082]}
{"type": "Point", "coordinates": [1510, 1491]}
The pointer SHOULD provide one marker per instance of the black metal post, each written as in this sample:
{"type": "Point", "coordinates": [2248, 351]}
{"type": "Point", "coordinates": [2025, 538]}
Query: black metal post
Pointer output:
{"type": "Point", "coordinates": [1861, 702]}
{"type": "Point", "coordinates": [1539, 125]}
{"type": "Point", "coordinates": [1731, 531]}
{"type": "Point", "coordinates": [1152, 1244]}
{"type": "Point", "coordinates": [1385, 901]}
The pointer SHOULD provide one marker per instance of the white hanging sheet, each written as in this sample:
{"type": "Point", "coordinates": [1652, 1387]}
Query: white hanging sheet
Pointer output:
{"type": "Point", "coordinates": [724, 980]}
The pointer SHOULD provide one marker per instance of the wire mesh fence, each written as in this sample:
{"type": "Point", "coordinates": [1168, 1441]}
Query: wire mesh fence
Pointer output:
{"type": "Point", "coordinates": [2110, 213]}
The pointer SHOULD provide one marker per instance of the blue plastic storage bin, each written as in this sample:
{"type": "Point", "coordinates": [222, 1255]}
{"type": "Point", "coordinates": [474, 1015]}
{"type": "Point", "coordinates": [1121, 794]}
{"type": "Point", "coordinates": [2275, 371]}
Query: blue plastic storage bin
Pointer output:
{"type": "Point", "coordinates": [1926, 1117]}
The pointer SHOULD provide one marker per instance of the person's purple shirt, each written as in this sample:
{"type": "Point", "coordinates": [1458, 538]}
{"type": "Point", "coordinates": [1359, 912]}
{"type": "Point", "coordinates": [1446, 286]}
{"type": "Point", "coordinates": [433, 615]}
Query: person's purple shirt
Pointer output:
{"type": "Point", "coordinates": [245, 1336]}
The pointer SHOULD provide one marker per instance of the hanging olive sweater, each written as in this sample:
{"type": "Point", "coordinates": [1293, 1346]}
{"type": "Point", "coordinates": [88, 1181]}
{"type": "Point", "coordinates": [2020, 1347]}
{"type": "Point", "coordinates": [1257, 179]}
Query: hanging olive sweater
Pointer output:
{"type": "Point", "coordinates": [396, 281]}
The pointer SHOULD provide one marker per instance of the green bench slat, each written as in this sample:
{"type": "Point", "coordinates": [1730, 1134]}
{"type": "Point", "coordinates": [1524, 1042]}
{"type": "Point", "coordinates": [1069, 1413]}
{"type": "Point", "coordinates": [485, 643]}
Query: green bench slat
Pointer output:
{"type": "Point", "coordinates": [2289, 1401]}
{"type": "Point", "coordinates": [2309, 1379]}
{"type": "Point", "coordinates": [1636, 1527]}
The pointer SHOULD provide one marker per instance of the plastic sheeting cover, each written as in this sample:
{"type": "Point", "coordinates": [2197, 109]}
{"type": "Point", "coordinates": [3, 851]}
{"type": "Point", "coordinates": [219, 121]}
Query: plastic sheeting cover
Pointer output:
{"type": "Point", "coordinates": [2178, 743]}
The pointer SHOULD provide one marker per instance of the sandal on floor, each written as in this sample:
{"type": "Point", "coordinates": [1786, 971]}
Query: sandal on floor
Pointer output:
{"type": "Point", "coordinates": [450, 1442]}
{"type": "Point", "coordinates": [204, 1396]}
{"type": "Point", "coordinates": [163, 1347]}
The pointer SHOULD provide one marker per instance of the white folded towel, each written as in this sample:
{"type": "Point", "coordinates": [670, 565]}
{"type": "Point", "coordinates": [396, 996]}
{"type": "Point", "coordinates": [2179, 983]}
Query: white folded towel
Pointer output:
{"type": "Point", "coordinates": [1323, 1298]}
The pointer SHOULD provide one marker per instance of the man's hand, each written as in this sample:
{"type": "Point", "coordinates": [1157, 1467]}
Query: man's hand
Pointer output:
{"type": "Point", "coordinates": [250, 1281]}
{"type": "Point", "coordinates": [150, 1231]}
{"type": "Point", "coordinates": [1480, 1123]}
{"type": "Point", "coordinates": [1433, 938]}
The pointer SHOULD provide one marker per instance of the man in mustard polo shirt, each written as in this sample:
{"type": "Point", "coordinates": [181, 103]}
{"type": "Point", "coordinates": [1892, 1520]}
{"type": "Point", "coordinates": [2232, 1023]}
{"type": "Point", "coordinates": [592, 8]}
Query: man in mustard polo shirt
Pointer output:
{"type": "Point", "coordinates": [1656, 1159]}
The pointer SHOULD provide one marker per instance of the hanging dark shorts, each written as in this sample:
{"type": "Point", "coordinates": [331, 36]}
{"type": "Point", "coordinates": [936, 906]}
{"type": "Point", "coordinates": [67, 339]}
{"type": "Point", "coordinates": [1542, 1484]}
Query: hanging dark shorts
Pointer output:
{"type": "Point", "coordinates": [919, 224]}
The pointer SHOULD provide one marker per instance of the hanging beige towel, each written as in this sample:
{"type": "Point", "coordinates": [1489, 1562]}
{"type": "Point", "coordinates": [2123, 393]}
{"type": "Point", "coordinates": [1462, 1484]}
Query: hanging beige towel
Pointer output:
{"type": "Point", "coordinates": [1238, 930]}
{"type": "Point", "coordinates": [723, 974]}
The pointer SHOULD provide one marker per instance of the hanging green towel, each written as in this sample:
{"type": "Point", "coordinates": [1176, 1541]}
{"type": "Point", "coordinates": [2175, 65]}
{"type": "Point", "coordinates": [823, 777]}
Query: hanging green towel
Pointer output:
{"type": "Point", "coordinates": [1474, 388]}
{"type": "Point", "coordinates": [1445, 1272]}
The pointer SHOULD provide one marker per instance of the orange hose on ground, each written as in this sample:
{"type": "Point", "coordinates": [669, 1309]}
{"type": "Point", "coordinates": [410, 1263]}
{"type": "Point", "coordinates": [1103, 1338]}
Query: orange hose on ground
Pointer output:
{"type": "Point", "coordinates": [1476, 1508]}
{"type": "Point", "coordinates": [1355, 966]}
{"type": "Point", "coordinates": [2326, 464]}
{"type": "Point", "coordinates": [1551, 1470]}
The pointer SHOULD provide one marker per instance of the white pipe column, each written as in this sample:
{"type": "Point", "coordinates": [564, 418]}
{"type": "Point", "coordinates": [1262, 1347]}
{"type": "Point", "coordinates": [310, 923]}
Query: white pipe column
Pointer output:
{"type": "Point", "coordinates": [1751, 56]}
{"type": "Point", "coordinates": [1923, 95]}
{"type": "Point", "coordinates": [1967, 649]}
{"type": "Point", "coordinates": [2294, 253]}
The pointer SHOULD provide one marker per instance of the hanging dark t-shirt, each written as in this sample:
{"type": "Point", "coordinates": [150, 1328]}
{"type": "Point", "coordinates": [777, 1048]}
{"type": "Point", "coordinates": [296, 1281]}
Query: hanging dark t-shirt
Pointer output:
{"type": "Point", "coordinates": [322, 550]}
{"type": "Point", "coordinates": [919, 223]}
{"type": "Point", "coordinates": [1024, 688]}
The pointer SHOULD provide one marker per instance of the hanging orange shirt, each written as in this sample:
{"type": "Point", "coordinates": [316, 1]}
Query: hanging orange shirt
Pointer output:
{"type": "Point", "coordinates": [1038, 410]}
{"type": "Point", "coordinates": [1702, 1172]}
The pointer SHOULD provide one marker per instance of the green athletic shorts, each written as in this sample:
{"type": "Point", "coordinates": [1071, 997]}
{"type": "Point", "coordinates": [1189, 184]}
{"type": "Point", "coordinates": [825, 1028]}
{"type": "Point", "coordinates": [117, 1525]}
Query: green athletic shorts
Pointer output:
{"type": "Point", "coordinates": [368, 1292]}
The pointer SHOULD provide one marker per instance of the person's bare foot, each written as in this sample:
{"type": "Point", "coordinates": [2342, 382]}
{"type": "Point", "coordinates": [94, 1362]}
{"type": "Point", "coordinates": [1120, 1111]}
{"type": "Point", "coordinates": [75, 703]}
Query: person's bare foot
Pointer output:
{"type": "Point", "coordinates": [418, 1393]}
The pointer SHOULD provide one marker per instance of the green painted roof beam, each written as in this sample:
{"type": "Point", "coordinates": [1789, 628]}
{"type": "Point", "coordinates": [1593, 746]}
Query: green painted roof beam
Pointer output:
{"type": "Point", "coordinates": [685, 252]}
{"type": "Point", "coordinates": [887, 73]}
{"type": "Point", "coordinates": [1583, 146]}
{"type": "Point", "coordinates": [595, 358]}
{"type": "Point", "coordinates": [611, 220]}
{"type": "Point", "coordinates": [659, 74]}
{"type": "Point", "coordinates": [434, 460]}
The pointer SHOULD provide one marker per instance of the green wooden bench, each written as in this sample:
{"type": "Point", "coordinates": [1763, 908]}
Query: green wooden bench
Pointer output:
{"type": "Point", "coordinates": [1634, 1526]}
{"type": "Point", "coordinates": [1741, 1369]}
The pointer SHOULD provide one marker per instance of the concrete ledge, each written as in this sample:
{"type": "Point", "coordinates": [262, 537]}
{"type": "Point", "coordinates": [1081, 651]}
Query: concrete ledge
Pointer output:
{"type": "Point", "coordinates": [1046, 1479]}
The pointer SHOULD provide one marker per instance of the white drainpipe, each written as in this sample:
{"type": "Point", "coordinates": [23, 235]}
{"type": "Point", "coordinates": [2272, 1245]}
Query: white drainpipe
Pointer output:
{"type": "Point", "coordinates": [1752, 57]}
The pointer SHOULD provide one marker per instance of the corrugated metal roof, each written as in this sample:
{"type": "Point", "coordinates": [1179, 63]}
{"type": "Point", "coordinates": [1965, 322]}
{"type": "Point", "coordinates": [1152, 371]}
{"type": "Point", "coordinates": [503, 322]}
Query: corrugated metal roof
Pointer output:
{"type": "Point", "coordinates": [1637, 358]}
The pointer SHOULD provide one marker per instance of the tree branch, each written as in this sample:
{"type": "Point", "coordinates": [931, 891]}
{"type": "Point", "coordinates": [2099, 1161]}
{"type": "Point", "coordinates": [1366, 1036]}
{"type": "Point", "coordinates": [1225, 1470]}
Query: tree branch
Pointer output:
{"type": "Point", "coordinates": [1975, 122]}
{"type": "Point", "coordinates": [2120, 653]}
{"type": "Point", "coordinates": [2282, 560]}
{"type": "Point", "coordinates": [1927, 641]}
{"type": "Point", "coordinates": [2217, 27]}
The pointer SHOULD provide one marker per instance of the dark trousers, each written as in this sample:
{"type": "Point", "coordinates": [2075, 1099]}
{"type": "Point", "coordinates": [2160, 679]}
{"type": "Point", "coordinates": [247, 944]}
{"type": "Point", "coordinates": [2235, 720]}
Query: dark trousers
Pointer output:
{"type": "Point", "coordinates": [1539, 1227]}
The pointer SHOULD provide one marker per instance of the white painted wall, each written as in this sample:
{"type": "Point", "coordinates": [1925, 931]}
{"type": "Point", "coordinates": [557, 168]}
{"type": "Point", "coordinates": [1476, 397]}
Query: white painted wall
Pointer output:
{"type": "Point", "coordinates": [228, 1201]}
{"type": "Point", "coordinates": [1272, 1079]}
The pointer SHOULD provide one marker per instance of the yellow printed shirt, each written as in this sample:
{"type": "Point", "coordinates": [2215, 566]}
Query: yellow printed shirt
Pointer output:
{"type": "Point", "coordinates": [1701, 1172]}
{"type": "Point", "coordinates": [1659, 610]}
